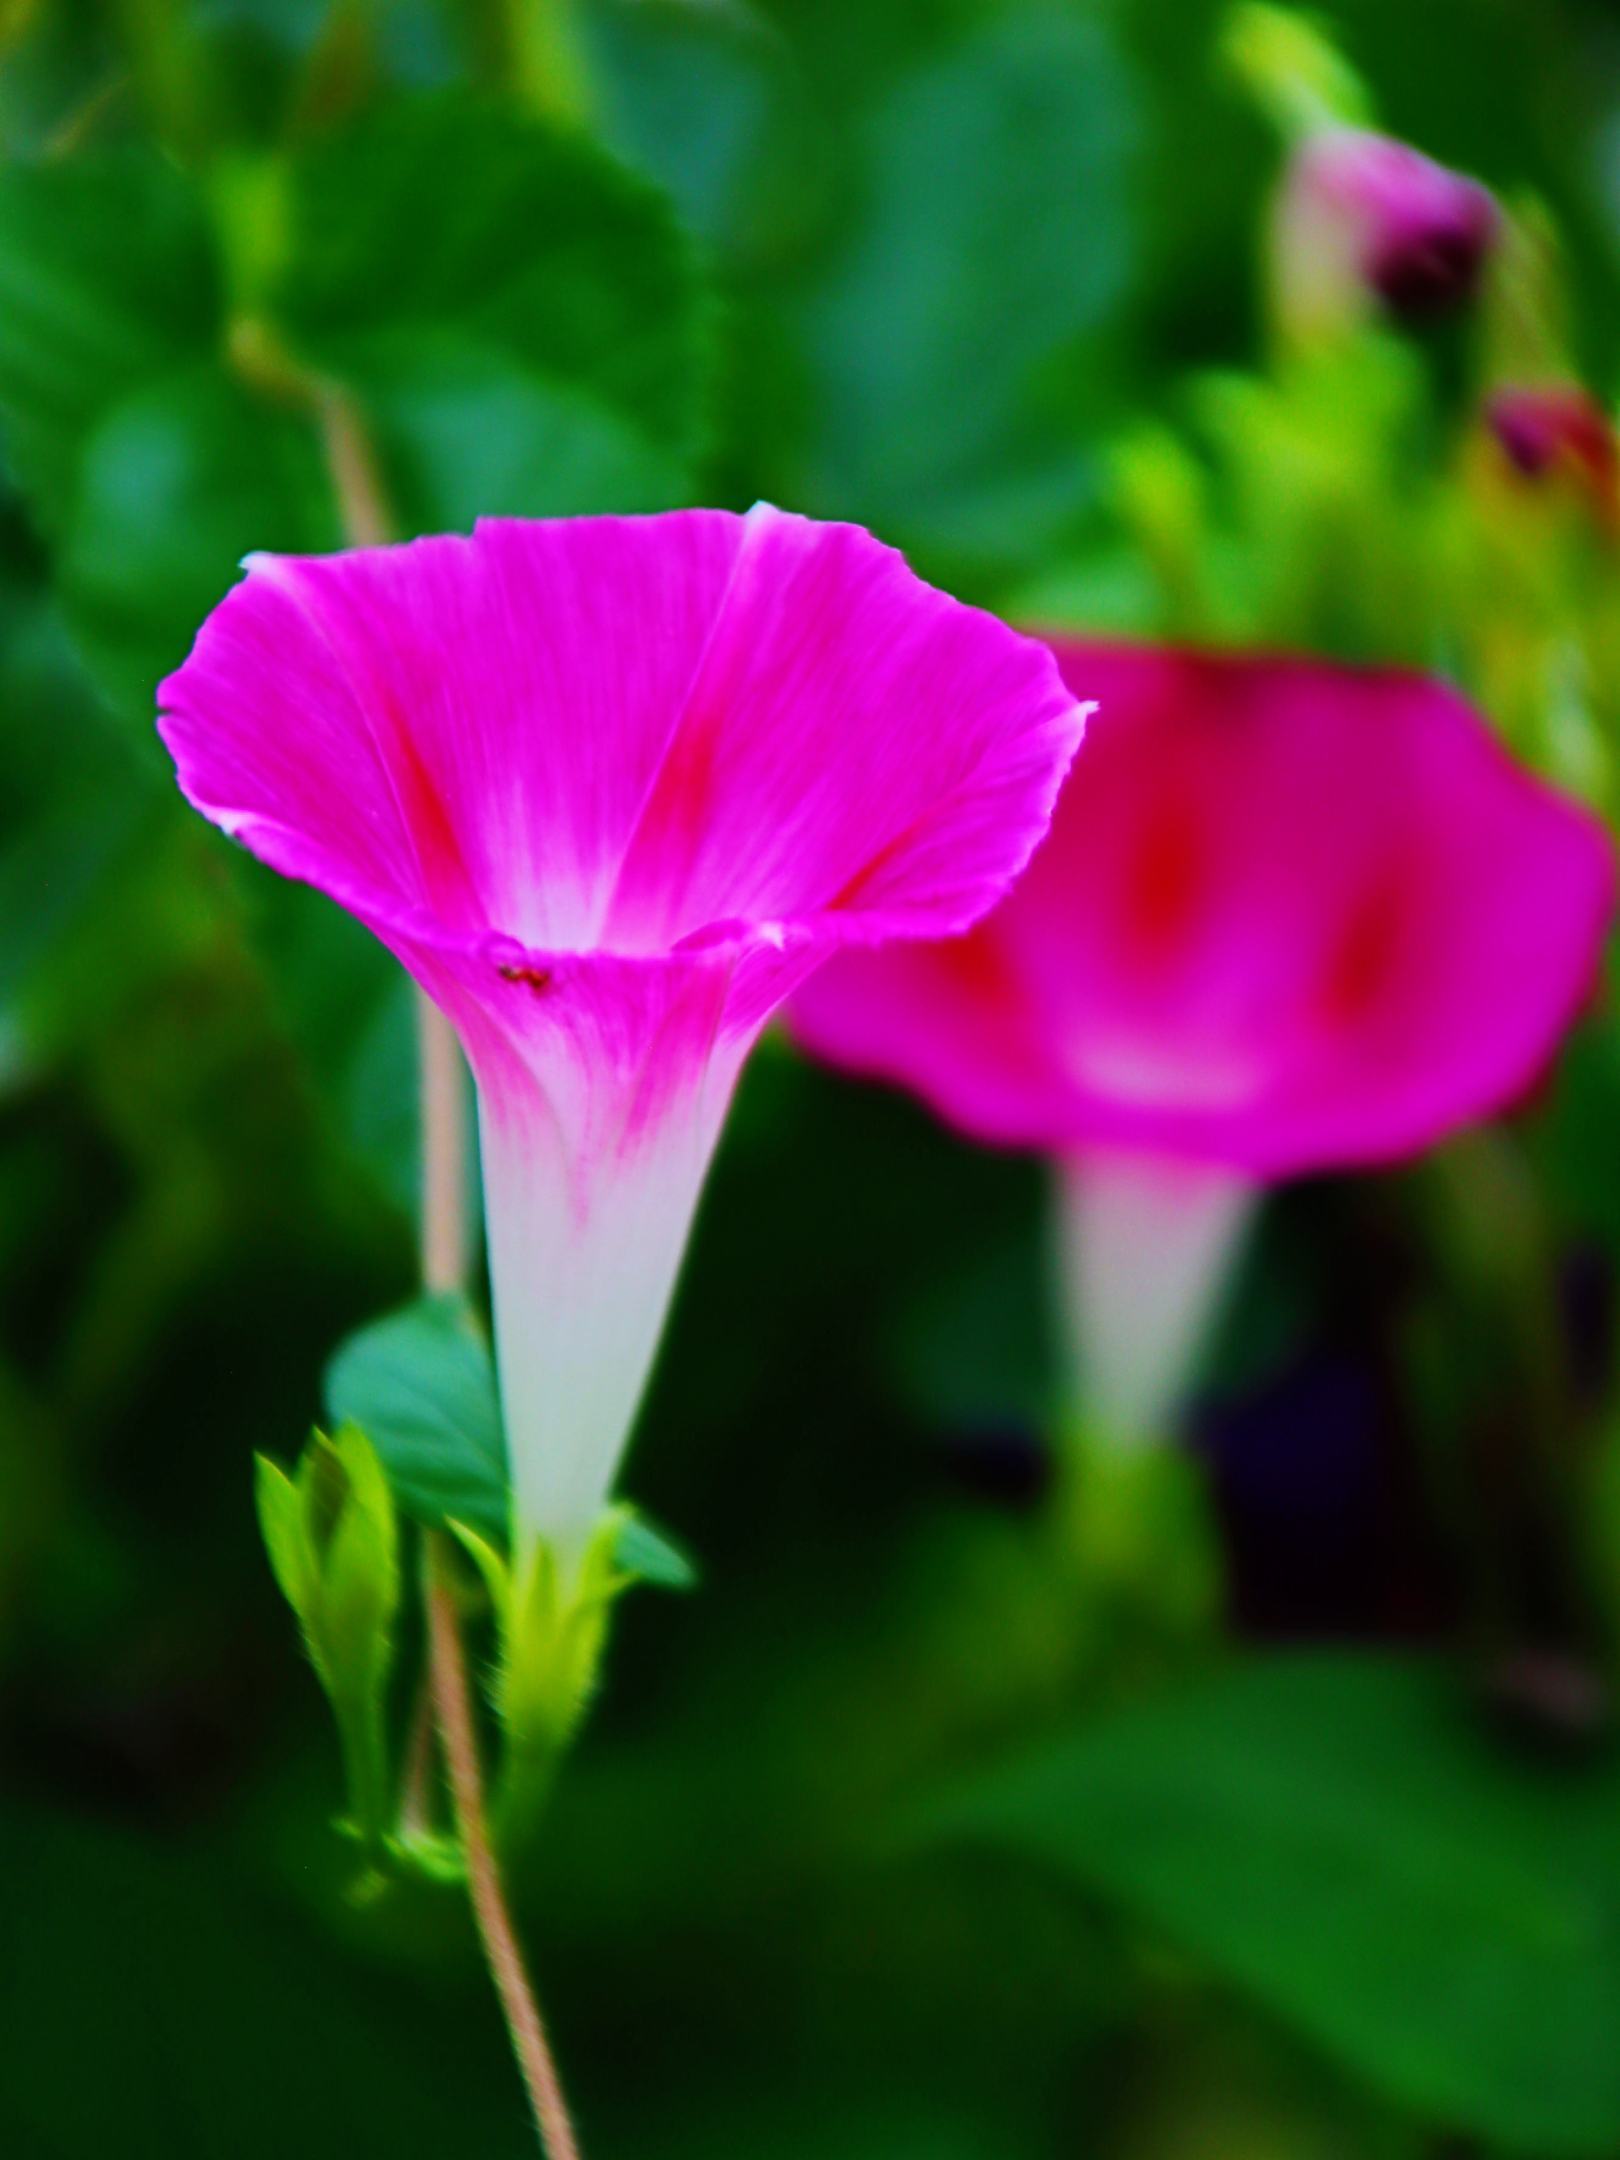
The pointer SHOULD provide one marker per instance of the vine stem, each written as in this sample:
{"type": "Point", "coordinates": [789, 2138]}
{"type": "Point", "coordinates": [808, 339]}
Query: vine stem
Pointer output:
{"type": "Point", "coordinates": [444, 1150]}
{"type": "Point", "coordinates": [502, 1950]}
{"type": "Point", "coordinates": [363, 508]}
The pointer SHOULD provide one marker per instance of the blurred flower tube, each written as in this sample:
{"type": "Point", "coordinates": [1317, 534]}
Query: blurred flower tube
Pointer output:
{"type": "Point", "coordinates": [1290, 918]}
{"type": "Point", "coordinates": [610, 789]}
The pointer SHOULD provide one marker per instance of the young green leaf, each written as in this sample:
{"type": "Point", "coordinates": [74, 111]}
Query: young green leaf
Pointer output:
{"type": "Point", "coordinates": [281, 1524]}
{"type": "Point", "coordinates": [360, 1572]}
{"type": "Point", "coordinates": [333, 1541]}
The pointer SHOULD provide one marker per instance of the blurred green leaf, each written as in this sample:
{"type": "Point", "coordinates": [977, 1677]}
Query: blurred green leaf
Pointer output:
{"type": "Point", "coordinates": [711, 102]}
{"type": "Point", "coordinates": [498, 290]}
{"type": "Point", "coordinates": [467, 431]}
{"type": "Point", "coordinates": [78, 812]}
{"type": "Point", "coordinates": [965, 338]}
{"type": "Point", "coordinates": [106, 280]}
{"type": "Point", "coordinates": [421, 1386]}
{"type": "Point", "coordinates": [521, 318]}
{"type": "Point", "coordinates": [1334, 1834]}
{"type": "Point", "coordinates": [177, 483]}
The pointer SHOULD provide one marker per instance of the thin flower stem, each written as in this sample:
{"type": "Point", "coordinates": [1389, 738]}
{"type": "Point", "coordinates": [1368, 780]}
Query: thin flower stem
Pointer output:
{"type": "Point", "coordinates": [453, 1700]}
{"type": "Point", "coordinates": [444, 1151]}
{"type": "Point", "coordinates": [352, 464]}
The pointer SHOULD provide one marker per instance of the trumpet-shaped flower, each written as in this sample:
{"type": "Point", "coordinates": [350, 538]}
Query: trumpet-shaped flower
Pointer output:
{"type": "Point", "coordinates": [1290, 917]}
{"type": "Point", "coordinates": [610, 789]}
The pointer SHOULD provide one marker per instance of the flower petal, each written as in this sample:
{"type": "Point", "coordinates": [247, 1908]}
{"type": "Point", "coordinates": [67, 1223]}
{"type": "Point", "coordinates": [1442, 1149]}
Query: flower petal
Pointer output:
{"type": "Point", "coordinates": [855, 747]}
{"type": "Point", "coordinates": [455, 732]}
{"type": "Point", "coordinates": [620, 732]}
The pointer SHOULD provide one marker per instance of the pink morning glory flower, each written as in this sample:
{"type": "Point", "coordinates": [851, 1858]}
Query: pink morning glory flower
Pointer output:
{"type": "Point", "coordinates": [1289, 918]}
{"type": "Point", "coordinates": [610, 788]}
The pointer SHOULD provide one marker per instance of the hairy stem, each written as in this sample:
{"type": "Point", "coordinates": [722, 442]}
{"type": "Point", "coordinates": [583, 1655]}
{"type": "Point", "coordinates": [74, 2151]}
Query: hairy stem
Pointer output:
{"type": "Point", "coordinates": [502, 1950]}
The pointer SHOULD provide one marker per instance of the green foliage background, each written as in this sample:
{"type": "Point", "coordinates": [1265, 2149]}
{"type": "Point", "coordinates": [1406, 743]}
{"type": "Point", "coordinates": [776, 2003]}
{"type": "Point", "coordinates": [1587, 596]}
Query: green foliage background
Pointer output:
{"type": "Point", "coordinates": [835, 1871]}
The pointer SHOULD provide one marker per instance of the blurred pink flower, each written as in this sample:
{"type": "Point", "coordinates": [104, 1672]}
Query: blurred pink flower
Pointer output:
{"type": "Point", "coordinates": [1360, 206]}
{"type": "Point", "coordinates": [610, 788]}
{"type": "Point", "coordinates": [1551, 432]}
{"type": "Point", "coordinates": [1290, 917]}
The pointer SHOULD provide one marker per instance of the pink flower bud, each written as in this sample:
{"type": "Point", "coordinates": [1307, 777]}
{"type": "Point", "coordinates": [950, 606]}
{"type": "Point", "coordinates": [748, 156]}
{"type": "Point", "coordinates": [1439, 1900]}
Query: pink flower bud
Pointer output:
{"type": "Point", "coordinates": [1362, 207]}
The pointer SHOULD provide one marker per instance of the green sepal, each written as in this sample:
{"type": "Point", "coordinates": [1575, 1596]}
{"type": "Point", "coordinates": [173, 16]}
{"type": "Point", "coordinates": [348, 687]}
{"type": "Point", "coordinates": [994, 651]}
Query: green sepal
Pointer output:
{"type": "Point", "coordinates": [551, 1628]}
{"type": "Point", "coordinates": [332, 1535]}
{"type": "Point", "coordinates": [491, 1564]}
{"type": "Point", "coordinates": [651, 1555]}
{"type": "Point", "coordinates": [1138, 1539]}
{"type": "Point", "coordinates": [281, 1524]}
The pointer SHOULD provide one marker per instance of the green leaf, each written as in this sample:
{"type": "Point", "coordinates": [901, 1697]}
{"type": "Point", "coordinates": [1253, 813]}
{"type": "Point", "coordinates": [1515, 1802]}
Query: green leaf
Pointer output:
{"type": "Point", "coordinates": [446, 252]}
{"type": "Point", "coordinates": [177, 483]}
{"type": "Point", "coordinates": [107, 280]}
{"type": "Point", "coordinates": [964, 337]}
{"type": "Point", "coordinates": [1335, 1835]}
{"type": "Point", "coordinates": [76, 816]}
{"type": "Point", "coordinates": [421, 1386]}
{"type": "Point", "coordinates": [652, 1556]}
{"type": "Point", "coordinates": [466, 431]}
{"type": "Point", "coordinates": [710, 101]}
